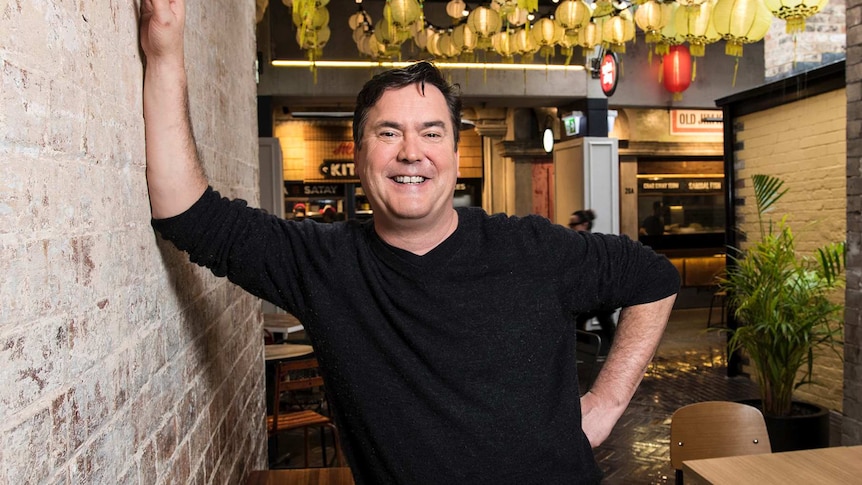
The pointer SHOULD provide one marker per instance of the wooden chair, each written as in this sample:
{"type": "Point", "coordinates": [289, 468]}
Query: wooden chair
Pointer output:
{"type": "Point", "coordinates": [300, 379]}
{"type": "Point", "coordinates": [713, 429]}
{"type": "Point", "coordinates": [590, 359]}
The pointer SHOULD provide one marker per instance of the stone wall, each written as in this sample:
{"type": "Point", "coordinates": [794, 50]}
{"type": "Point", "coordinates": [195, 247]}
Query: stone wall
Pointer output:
{"type": "Point", "coordinates": [809, 157]}
{"type": "Point", "coordinates": [120, 361]}
{"type": "Point", "coordinates": [852, 427]}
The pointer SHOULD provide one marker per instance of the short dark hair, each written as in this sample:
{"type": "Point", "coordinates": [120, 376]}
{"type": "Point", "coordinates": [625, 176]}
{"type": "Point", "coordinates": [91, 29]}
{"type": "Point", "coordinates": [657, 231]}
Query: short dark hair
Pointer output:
{"type": "Point", "coordinates": [585, 217]}
{"type": "Point", "coordinates": [422, 73]}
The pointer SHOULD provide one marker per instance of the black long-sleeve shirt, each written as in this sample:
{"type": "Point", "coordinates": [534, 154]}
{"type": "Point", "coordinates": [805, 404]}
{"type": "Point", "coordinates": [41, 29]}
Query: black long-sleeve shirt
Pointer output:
{"type": "Point", "coordinates": [457, 366]}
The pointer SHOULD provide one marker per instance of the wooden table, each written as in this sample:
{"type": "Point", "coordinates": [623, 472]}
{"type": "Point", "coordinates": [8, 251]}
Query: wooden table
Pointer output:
{"type": "Point", "coordinates": [281, 323]}
{"type": "Point", "coordinates": [302, 476]}
{"type": "Point", "coordinates": [823, 466]}
{"type": "Point", "coordinates": [286, 351]}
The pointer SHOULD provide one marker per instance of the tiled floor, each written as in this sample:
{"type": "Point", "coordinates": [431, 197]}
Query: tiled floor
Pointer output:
{"type": "Point", "coordinates": [689, 367]}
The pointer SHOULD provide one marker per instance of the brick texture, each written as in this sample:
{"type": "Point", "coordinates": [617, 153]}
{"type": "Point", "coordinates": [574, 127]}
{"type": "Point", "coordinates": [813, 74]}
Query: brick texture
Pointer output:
{"type": "Point", "coordinates": [822, 42]}
{"type": "Point", "coordinates": [120, 361]}
{"type": "Point", "coordinates": [852, 424]}
{"type": "Point", "coordinates": [809, 157]}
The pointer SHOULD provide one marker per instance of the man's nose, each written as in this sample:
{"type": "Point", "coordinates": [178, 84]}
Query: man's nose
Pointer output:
{"type": "Point", "coordinates": [410, 150]}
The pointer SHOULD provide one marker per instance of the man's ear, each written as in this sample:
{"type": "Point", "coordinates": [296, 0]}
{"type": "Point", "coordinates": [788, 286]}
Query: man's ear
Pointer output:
{"type": "Point", "coordinates": [458, 163]}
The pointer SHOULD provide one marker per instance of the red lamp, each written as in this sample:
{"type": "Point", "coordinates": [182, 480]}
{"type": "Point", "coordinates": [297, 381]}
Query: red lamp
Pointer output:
{"type": "Point", "coordinates": [676, 66]}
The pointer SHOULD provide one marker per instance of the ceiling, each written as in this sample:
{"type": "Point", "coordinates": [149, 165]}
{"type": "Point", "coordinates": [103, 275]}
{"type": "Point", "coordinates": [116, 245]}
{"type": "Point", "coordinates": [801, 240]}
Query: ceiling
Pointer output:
{"type": "Point", "coordinates": [479, 89]}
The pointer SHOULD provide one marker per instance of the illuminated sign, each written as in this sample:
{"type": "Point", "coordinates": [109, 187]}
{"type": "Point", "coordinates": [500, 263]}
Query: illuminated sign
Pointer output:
{"type": "Point", "coordinates": [609, 73]}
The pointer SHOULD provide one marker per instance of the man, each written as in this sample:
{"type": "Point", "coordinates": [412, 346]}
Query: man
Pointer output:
{"type": "Point", "coordinates": [446, 336]}
{"type": "Point", "coordinates": [653, 225]}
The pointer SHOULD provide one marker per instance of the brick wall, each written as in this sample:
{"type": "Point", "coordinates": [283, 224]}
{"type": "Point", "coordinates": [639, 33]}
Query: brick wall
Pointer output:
{"type": "Point", "coordinates": [821, 43]}
{"type": "Point", "coordinates": [809, 156]}
{"type": "Point", "coordinates": [852, 426]}
{"type": "Point", "coordinates": [120, 361]}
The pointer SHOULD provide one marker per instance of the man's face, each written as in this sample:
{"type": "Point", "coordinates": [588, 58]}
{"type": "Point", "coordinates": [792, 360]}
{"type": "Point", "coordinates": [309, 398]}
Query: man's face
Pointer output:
{"type": "Point", "coordinates": [407, 161]}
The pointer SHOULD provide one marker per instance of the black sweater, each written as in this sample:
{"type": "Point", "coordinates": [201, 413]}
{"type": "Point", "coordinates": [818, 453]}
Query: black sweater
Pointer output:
{"type": "Point", "coordinates": [455, 367]}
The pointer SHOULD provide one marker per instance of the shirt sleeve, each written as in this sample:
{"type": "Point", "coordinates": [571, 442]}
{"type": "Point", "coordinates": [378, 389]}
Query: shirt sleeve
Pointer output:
{"type": "Point", "coordinates": [254, 249]}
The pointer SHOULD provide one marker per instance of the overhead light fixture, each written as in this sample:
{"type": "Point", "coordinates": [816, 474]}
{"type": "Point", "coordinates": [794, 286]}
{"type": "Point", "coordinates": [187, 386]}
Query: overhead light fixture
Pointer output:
{"type": "Point", "coordinates": [442, 65]}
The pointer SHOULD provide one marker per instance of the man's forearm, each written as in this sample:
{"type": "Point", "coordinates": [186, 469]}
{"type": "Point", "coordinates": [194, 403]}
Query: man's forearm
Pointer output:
{"type": "Point", "coordinates": [175, 177]}
{"type": "Point", "coordinates": [637, 337]}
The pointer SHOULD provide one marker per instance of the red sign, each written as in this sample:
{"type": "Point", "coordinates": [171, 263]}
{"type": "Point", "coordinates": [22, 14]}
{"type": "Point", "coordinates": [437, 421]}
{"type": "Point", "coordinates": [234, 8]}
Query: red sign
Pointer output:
{"type": "Point", "coordinates": [609, 73]}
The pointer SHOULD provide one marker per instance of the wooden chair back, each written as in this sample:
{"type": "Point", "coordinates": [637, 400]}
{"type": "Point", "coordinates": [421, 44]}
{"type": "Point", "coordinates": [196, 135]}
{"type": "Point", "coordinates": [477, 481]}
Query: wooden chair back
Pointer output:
{"type": "Point", "coordinates": [713, 429]}
{"type": "Point", "coordinates": [293, 377]}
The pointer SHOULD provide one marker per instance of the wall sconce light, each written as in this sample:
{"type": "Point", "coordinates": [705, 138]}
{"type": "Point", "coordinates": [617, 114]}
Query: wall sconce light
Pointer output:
{"type": "Point", "coordinates": [548, 135]}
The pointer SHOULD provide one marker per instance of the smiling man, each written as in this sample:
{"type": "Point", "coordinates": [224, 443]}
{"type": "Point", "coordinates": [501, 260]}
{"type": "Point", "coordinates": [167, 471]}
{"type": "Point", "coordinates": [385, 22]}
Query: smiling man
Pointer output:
{"type": "Point", "coordinates": [446, 336]}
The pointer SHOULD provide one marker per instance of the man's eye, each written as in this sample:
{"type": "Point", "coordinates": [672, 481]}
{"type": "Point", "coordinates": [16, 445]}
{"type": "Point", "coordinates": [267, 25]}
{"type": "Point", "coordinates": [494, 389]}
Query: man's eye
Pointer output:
{"type": "Point", "coordinates": [433, 135]}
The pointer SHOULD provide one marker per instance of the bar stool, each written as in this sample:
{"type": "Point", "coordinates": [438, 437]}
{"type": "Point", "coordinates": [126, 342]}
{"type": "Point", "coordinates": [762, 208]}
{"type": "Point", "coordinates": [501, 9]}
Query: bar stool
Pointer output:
{"type": "Point", "coordinates": [719, 298]}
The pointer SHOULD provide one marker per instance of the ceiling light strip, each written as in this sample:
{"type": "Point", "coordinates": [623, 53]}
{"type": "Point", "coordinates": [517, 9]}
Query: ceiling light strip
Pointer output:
{"type": "Point", "coordinates": [442, 65]}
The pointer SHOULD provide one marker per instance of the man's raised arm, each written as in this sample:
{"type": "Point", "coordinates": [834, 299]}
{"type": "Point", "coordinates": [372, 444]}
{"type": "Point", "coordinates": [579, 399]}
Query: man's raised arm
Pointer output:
{"type": "Point", "coordinates": [175, 177]}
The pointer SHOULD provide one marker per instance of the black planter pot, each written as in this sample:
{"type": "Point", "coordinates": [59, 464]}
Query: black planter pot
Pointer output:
{"type": "Point", "coordinates": [807, 427]}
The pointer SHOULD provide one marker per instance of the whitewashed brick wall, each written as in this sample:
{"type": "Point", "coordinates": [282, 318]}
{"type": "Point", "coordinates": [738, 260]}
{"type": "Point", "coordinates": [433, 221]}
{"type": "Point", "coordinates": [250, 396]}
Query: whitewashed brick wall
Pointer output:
{"type": "Point", "coordinates": [120, 362]}
{"type": "Point", "coordinates": [803, 143]}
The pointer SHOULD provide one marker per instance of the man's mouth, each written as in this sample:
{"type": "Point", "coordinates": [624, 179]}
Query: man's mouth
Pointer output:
{"type": "Point", "coordinates": [404, 179]}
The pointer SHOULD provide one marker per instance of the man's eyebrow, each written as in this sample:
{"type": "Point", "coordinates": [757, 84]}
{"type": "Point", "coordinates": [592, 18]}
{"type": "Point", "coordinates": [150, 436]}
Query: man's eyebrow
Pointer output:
{"type": "Point", "coordinates": [399, 126]}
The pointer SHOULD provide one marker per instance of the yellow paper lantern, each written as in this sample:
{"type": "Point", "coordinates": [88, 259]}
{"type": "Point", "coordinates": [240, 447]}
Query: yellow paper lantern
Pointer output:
{"type": "Point", "coordinates": [517, 17]}
{"type": "Point", "coordinates": [740, 22]}
{"type": "Point", "coordinates": [651, 17]}
{"type": "Point", "coordinates": [794, 12]}
{"type": "Point", "coordinates": [694, 24]}
{"type": "Point", "coordinates": [525, 45]}
{"type": "Point", "coordinates": [573, 15]}
{"type": "Point", "coordinates": [485, 22]}
{"type": "Point", "coordinates": [503, 44]}
{"type": "Point", "coordinates": [589, 37]}
{"type": "Point", "coordinates": [401, 13]}
{"type": "Point", "coordinates": [455, 9]}
{"type": "Point", "coordinates": [310, 18]}
{"type": "Point", "coordinates": [668, 35]}
{"type": "Point", "coordinates": [547, 33]}
{"type": "Point", "coordinates": [618, 30]}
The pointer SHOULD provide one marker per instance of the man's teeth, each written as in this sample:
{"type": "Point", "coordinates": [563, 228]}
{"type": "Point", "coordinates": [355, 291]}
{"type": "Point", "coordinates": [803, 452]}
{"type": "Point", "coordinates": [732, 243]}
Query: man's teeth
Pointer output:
{"type": "Point", "coordinates": [403, 179]}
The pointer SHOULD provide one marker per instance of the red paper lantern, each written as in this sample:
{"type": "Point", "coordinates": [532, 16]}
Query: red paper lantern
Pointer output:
{"type": "Point", "coordinates": [676, 66]}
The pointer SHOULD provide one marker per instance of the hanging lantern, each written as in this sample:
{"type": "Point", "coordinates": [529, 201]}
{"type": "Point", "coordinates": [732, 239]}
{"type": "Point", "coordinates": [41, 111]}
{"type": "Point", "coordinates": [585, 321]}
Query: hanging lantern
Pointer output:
{"type": "Point", "coordinates": [401, 13]}
{"type": "Point", "coordinates": [455, 9]}
{"type": "Point", "coordinates": [668, 36]}
{"type": "Point", "coordinates": [651, 17]}
{"type": "Point", "coordinates": [573, 15]}
{"type": "Point", "coordinates": [589, 37]}
{"type": "Point", "coordinates": [464, 38]}
{"type": "Point", "coordinates": [447, 46]}
{"type": "Point", "coordinates": [525, 45]}
{"type": "Point", "coordinates": [547, 33]}
{"type": "Point", "coordinates": [694, 24]}
{"type": "Point", "coordinates": [676, 70]}
{"type": "Point", "coordinates": [740, 22]}
{"type": "Point", "coordinates": [794, 12]}
{"type": "Point", "coordinates": [517, 17]}
{"type": "Point", "coordinates": [618, 30]}
{"type": "Point", "coordinates": [485, 23]}
{"type": "Point", "coordinates": [502, 42]}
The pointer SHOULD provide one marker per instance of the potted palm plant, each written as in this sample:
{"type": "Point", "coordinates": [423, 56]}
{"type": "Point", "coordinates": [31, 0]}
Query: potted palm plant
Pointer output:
{"type": "Point", "coordinates": [781, 301]}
